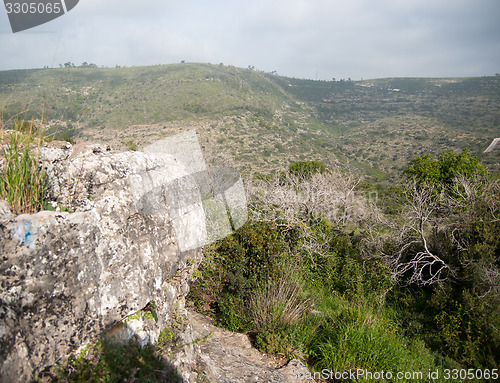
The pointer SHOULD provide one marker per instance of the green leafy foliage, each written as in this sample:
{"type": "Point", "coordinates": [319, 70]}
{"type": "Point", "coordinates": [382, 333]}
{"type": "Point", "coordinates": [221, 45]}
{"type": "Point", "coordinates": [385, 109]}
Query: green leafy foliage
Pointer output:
{"type": "Point", "coordinates": [233, 267]}
{"type": "Point", "coordinates": [306, 169]}
{"type": "Point", "coordinates": [130, 145]}
{"type": "Point", "coordinates": [275, 343]}
{"type": "Point", "coordinates": [459, 318]}
{"type": "Point", "coordinates": [453, 322]}
{"type": "Point", "coordinates": [441, 172]}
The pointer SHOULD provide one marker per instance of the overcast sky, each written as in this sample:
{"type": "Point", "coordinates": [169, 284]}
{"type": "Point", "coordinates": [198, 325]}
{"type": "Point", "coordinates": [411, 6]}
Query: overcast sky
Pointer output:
{"type": "Point", "coordinates": [316, 39]}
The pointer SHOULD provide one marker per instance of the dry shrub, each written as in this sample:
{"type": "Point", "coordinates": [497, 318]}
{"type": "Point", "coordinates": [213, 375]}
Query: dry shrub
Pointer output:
{"type": "Point", "coordinates": [279, 302]}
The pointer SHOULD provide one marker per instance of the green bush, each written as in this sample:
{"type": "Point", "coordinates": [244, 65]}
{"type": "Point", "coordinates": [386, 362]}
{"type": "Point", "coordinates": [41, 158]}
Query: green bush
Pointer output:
{"type": "Point", "coordinates": [275, 343]}
{"type": "Point", "coordinates": [344, 270]}
{"type": "Point", "coordinates": [130, 145]}
{"type": "Point", "coordinates": [439, 173]}
{"type": "Point", "coordinates": [231, 313]}
{"type": "Point", "coordinates": [306, 169]}
{"type": "Point", "coordinates": [65, 137]}
{"type": "Point", "coordinates": [233, 267]}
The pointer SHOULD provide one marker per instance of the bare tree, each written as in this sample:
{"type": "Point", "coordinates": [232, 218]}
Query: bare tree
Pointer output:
{"type": "Point", "coordinates": [330, 195]}
{"type": "Point", "coordinates": [469, 194]}
{"type": "Point", "coordinates": [415, 256]}
{"type": "Point", "coordinates": [488, 288]}
{"type": "Point", "coordinates": [414, 261]}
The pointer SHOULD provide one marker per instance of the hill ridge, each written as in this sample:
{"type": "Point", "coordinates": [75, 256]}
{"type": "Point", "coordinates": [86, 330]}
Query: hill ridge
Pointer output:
{"type": "Point", "coordinates": [262, 121]}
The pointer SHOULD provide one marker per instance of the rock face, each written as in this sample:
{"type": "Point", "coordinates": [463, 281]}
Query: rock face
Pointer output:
{"type": "Point", "coordinates": [67, 277]}
{"type": "Point", "coordinates": [125, 236]}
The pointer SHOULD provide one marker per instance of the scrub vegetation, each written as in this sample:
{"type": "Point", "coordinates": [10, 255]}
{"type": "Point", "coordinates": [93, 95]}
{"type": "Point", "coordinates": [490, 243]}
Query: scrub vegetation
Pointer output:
{"type": "Point", "coordinates": [259, 121]}
{"type": "Point", "coordinates": [344, 285]}
{"type": "Point", "coordinates": [374, 234]}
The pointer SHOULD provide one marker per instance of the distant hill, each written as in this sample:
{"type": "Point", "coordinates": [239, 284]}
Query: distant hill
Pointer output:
{"type": "Point", "coordinates": [263, 122]}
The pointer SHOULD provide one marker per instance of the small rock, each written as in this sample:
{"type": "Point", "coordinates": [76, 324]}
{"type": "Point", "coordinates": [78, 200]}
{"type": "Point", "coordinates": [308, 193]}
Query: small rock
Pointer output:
{"type": "Point", "coordinates": [5, 212]}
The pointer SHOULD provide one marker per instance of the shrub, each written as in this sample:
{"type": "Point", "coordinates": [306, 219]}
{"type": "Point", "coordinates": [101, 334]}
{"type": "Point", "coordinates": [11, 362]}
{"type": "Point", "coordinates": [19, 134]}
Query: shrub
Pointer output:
{"type": "Point", "coordinates": [235, 264]}
{"type": "Point", "coordinates": [306, 169]}
{"type": "Point", "coordinates": [439, 173]}
{"type": "Point", "coordinates": [231, 314]}
{"type": "Point", "coordinates": [130, 145]}
{"type": "Point", "coordinates": [275, 343]}
{"type": "Point", "coordinates": [65, 137]}
{"type": "Point", "coordinates": [279, 302]}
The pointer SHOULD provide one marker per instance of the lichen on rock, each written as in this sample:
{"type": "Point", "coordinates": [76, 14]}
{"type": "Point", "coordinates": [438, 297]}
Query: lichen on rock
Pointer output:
{"type": "Point", "coordinates": [67, 277]}
{"type": "Point", "coordinates": [117, 258]}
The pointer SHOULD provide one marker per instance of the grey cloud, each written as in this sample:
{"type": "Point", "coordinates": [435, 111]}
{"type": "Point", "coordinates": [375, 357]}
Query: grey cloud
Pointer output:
{"type": "Point", "coordinates": [301, 38]}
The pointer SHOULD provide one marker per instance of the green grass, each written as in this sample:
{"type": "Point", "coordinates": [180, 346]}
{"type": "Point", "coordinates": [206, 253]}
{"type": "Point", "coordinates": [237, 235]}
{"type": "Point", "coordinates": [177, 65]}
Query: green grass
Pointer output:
{"type": "Point", "coordinates": [358, 337]}
{"type": "Point", "coordinates": [23, 183]}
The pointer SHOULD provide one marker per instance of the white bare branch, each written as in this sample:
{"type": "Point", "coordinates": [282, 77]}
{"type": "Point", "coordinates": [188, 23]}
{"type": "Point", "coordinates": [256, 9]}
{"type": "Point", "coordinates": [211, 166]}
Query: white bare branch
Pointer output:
{"type": "Point", "coordinates": [295, 202]}
{"type": "Point", "coordinates": [423, 267]}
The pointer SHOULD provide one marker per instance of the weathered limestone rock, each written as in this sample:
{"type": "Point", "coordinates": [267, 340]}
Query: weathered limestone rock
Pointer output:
{"type": "Point", "coordinates": [5, 212]}
{"type": "Point", "coordinates": [67, 277]}
{"type": "Point", "coordinates": [125, 235]}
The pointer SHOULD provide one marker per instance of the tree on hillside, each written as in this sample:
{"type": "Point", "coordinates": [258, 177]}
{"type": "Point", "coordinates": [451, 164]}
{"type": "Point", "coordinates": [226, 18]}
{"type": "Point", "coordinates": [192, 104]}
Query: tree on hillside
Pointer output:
{"type": "Point", "coordinates": [440, 173]}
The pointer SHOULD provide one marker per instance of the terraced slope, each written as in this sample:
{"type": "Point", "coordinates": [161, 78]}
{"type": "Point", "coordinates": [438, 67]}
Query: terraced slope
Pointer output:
{"type": "Point", "coordinates": [263, 122]}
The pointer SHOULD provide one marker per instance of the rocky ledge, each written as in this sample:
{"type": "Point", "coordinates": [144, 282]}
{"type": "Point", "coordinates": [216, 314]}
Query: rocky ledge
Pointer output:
{"type": "Point", "coordinates": [227, 357]}
{"type": "Point", "coordinates": [124, 234]}
{"type": "Point", "coordinates": [68, 275]}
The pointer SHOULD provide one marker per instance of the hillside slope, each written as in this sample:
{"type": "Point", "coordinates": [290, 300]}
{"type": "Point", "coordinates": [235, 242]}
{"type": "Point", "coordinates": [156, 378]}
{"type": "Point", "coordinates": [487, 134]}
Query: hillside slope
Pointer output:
{"type": "Point", "coordinates": [261, 122]}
